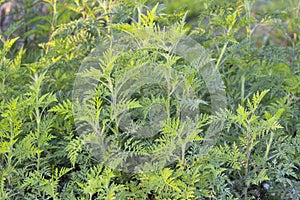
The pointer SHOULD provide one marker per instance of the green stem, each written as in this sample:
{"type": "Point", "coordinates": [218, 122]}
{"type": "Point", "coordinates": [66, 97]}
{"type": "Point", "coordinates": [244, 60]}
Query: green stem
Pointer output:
{"type": "Point", "coordinates": [242, 89]}
{"type": "Point", "coordinates": [38, 120]}
{"type": "Point", "coordinates": [11, 143]}
{"type": "Point", "coordinates": [221, 55]}
{"type": "Point", "coordinates": [269, 145]}
{"type": "Point", "coordinates": [107, 10]}
{"type": "Point", "coordinates": [139, 14]}
{"type": "Point", "coordinates": [248, 155]}
{"type": "Point", "coordinates": [182, 156]}
{"type": "Point", "coordinates": [54, 17]}
{"type": "Point", "coordinates": [223, 49]}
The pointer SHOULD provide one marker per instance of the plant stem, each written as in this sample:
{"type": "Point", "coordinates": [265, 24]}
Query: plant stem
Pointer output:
{"type": "Point", "coordinates": [223, 49]}
{"type": "Point", "coordinates": [54, 16]}
{"type": "Point", "coordinates": [269, 145]}
{"type": "Point", "coordinates": [107, 10]}
{"type": "Point", "coordinates": [38, 120]}
{"type": "Point", "coordinates": [221, 55]}
{"type": "Point", "coordinates": [249, 140]}
{"type": "Point", "coordinates": [243, 89]}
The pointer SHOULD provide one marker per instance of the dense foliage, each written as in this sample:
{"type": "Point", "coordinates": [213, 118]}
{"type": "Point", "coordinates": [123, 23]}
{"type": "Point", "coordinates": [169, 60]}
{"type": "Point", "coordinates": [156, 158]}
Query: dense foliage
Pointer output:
{"type": "Point", "coordinates": [44, 154]}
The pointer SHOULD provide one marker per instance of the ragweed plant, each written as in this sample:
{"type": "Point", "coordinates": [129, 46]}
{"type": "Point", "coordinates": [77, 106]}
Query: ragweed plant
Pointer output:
{"type": "Point", "coordinates": [139, 98]}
